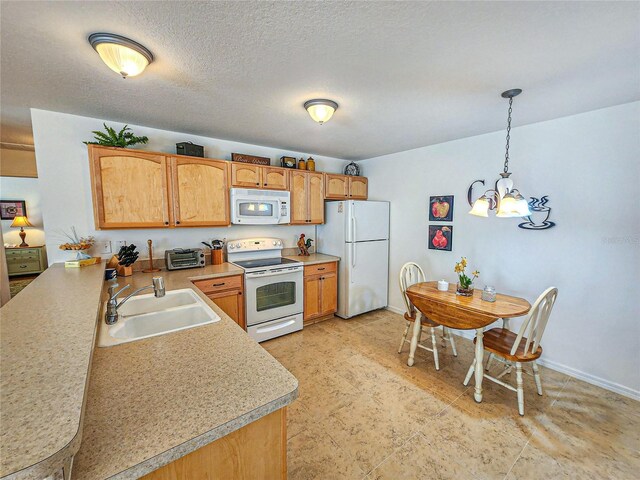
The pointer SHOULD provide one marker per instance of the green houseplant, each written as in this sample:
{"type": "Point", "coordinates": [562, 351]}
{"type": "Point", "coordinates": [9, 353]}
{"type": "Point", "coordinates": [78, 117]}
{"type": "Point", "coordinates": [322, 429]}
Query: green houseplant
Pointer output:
{"type": "Point", "coordinates": [465, 284]}
{"type": "Point", "coordinates": [123, 139]}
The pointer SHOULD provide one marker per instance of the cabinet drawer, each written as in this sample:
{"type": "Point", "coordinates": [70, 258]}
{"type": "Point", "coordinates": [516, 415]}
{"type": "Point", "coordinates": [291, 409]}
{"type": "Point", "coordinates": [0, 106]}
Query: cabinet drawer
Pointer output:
{"type": "Point", "coordinates": [319, 269]}
{"type": "Point", "coordinates": [21, 253]}
{"type": "Point", "coordinates": [218, 284]}
{"type": "Point", "coordinates": [30, 266]}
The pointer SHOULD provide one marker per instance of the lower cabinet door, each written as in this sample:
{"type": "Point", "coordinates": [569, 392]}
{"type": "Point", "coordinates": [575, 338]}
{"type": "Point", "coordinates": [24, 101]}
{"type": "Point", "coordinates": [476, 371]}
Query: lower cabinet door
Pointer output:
{"type": "Point", "coordinates": [329, 298]}
{"type": "Point", "coordinates": [231, 303]}
{"type": "Point", "coordinates": [312, 295]}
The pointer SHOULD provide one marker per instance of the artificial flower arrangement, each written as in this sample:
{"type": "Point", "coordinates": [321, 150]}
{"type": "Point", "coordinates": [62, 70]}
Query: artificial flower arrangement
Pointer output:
{"type": "Point", "coordinates": [465, 284]}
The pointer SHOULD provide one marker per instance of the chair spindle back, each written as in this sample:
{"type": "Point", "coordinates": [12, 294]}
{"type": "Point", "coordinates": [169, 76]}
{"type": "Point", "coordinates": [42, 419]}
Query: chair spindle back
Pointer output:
{"type": "Point", "coordinates": [410, 273]}
{"type": "Point", "coordinates": [536, 321]}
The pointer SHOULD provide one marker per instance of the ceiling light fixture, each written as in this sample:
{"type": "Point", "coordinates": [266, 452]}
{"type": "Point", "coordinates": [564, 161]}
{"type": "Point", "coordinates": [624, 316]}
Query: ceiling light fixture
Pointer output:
{"type": "Point", "coordinates": [320, 109]}
{"type": "Point", "coordinates": [121, 54]}
{"type": "Point", "coordinates": [508, 200]}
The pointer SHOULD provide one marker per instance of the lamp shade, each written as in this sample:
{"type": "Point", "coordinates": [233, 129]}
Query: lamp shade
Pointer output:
{"type": "Point", "coordinates": [21, 221]}
{"type": "Point", "coordinates": [321, 110]}
{"type": "Point", "coordinates": [121, 54]}
{"type": "Point", "coordinates": [508, 207]}
{"type": "Point", "coordinates": [480, 207]}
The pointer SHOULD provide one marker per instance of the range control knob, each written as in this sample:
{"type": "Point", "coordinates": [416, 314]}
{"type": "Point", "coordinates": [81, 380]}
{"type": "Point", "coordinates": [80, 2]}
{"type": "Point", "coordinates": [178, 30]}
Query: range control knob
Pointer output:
{"type": "Point", "coordinates": [231, 246]}
{"type": "Point", "coordinates": [238, 245]}
{"type": "Point", "coordinates": [275, 243]}
{"type": "Point", "coordinates": [279, 242]}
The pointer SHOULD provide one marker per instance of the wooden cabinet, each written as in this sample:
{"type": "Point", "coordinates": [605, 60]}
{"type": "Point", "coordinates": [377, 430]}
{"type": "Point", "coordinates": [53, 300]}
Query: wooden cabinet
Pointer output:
{"type": "Point", "coordinates": [307, 197]}
{"type": "Point", "coordinates": [256, 451]}
{"type": "Point", "coordinates": [228, 294]}
{"type": "Point", "coordinates": [129, 188]}
{"type": "Point", "coordinates": [336, 186]}
{"type": "Point", "coordinates": [26, 260]}
{"type": "Point", "coordinates": [200, 191]}
{"type": "Point", "coordinates": [358, 188]}
{"type": "Point", "coordinates": [320, 291]}
{"type": "Point", "coordinates": [255, 176]}
{"type": "Point", "coordinates": [136, 189]}
{"type": "Point", "coordinates": [341, 187]}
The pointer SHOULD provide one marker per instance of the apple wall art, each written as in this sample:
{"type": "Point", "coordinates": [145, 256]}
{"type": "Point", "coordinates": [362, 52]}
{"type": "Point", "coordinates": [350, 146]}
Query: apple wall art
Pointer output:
{"type": "Point", "coordinates": [441, 208]}
{"type": "Point", "coordinates": [440, 237]}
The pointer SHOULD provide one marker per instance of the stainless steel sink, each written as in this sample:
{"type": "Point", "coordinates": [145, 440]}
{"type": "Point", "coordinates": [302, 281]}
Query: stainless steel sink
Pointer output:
{"type": "Point", "coordinates": [145, 316]}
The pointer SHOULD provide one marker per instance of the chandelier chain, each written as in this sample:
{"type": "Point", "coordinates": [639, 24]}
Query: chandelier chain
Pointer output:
{"type": "Point", "coordinates": [506, 155]}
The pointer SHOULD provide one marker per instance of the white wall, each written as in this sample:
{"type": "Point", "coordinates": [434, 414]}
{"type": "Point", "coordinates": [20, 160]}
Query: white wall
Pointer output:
{"type": "Point", "coordinates": [27, 189]}
{"type": "Point", "coordinates": [63, 170]}
{"type": "Point", "coordinates": [589, 165]}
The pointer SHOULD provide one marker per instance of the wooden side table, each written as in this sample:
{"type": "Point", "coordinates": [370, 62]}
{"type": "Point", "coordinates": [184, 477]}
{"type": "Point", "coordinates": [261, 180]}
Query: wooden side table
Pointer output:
{"type": "Point", "coordinates": [26, 260]}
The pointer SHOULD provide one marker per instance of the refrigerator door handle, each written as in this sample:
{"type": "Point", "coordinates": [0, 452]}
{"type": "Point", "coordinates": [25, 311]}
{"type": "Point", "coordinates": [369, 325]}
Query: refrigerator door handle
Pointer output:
{"type": "Point", "coordinates": [353, 255]}
{"type": "Point", "coordinates": [353, 229]}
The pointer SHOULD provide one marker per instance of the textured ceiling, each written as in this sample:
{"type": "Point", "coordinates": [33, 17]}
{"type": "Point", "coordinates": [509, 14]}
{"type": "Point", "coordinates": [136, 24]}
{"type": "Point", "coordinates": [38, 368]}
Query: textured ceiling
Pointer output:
{"type": "Point", "coordinates": [406, 74]}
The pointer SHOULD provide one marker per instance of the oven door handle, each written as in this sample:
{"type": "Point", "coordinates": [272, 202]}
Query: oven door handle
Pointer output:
{"type": "Point", "coordinates": [273, 274]}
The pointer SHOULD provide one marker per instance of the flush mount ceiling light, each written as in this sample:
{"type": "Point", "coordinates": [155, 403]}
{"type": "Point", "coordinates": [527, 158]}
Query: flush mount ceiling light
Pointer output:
{"type": "Point", "coordinates": [508, 200]}
{"type": "Point", "coordinates": [121, 54]}
{"type": "Point", "coordinates": [320, 109]}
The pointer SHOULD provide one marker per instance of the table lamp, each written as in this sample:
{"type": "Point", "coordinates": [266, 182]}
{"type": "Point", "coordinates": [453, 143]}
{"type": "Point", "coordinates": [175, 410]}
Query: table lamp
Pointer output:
{"type": "Point", "coordinates": [21, 221]}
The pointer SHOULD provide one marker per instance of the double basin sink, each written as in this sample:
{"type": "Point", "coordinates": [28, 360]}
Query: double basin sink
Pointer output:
{"type": "Point", "coordinates": [144, 316]}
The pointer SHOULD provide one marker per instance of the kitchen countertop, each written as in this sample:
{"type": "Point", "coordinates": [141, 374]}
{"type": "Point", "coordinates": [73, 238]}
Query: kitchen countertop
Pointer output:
{"type": "Point", "coordinates": [152, 401]}
{"type": "Point", "coordinates": [45, 352]}
{"type": "Point", "coordinates": [314, 258]}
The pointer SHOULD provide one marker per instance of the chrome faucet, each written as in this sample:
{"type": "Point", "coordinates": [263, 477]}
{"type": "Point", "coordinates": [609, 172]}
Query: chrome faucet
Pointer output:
{"type": "Point", "coordinates": [111, 317]}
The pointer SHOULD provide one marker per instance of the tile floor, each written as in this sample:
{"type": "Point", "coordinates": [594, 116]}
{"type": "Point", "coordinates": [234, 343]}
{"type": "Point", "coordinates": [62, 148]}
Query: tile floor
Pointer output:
{"type": "Point", "coordinates": [362, 413]}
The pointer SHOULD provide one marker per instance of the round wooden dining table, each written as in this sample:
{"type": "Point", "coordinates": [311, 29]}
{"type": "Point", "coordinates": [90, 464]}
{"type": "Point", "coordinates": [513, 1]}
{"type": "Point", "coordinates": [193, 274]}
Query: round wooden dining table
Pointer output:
{"type": "Point", "coordinates": [462, 313]}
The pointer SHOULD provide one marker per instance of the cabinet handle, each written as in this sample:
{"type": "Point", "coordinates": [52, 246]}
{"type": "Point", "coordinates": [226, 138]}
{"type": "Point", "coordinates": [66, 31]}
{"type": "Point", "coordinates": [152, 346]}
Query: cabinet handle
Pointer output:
{"type": "Point", "coordinates": [23, 266]}
{"type": "Point", "coordinates": [239, 293]}
{"type": "Point", "coordinates": [322, 268]}
{"type": "Point", "coordinates": [218, 284]}
{"type": "Point", "coordinates": [258, 183]}
{"type": "Point", "coordinates": [166, 223]}
{"type": "Point", "coordinates": [265, 184]}
{"type": "Point", "coordinates": [178, 222]}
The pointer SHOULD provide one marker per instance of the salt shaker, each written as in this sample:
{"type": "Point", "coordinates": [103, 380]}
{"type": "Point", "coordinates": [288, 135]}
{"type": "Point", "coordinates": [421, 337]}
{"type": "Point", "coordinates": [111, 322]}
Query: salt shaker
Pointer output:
{"type": "Point", "coordinates": [489, 294]}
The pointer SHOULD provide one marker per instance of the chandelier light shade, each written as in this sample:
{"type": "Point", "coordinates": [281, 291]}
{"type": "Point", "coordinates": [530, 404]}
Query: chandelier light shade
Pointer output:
{"type": "Point", "coordinates": [321, 110]}
{"type": "Point", "coordinates": [508, 200]}
{"type": "Point", "coordinates": [121, 54]}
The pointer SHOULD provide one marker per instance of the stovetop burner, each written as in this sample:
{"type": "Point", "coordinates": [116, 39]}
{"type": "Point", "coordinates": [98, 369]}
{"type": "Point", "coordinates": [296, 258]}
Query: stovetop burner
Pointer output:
{"type": "Point", "coordinates": [264, 262]}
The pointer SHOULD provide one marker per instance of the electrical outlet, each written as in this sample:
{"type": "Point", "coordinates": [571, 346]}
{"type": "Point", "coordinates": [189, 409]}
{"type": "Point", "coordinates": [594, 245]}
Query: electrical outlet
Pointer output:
{"type": "Point", "coordinates": [119, 244]}
{"type": "Point", "coordinates": [104, 247]}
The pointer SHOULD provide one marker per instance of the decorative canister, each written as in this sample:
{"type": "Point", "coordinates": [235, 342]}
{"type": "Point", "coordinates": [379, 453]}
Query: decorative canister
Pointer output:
{"type": "Point", "coordinates": [489, 294]}
{"type": "Point", "coordinates": [443, 285]}
{"type": "Point", "coordinates": [302, 165]}
{"type": "Point", "coordinates": [311, 164]}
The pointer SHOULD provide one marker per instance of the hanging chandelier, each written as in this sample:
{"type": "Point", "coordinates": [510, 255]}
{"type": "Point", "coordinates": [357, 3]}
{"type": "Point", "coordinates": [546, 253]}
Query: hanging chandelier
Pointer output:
{"type": "Point", "coordinates": [508, 201]}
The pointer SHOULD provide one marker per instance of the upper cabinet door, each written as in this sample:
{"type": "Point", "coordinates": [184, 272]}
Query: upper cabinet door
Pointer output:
{"type": "Point", "coordinates": [299, 198]}
{"type": "Point", "coordinates": [129, 188]}
{"type": "Point", "coordinates": [336, 186]}
{"type": "Point", "coordinates": [274, 178]}
{"type": "Point", "coordinates": [200, 191]}
{"type": "Point", "coordinates": [358, 188]}
{"type": "Point", "coordinates": [246, 175]}
{"type": "Point", "coordinates": [315, 194]}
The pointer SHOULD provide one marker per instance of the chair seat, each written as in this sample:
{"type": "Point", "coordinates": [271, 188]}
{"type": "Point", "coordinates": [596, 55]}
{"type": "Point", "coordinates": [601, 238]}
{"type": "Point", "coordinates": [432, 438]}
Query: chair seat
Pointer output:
{"type": "Point", "coordinates": [427, 322]}
{"type": "Point", "coordinates": [500, 341]}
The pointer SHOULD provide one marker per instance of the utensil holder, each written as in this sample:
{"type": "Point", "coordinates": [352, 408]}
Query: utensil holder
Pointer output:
{"type": "Point", "coordinates": [216, 257]}
{"type": "Point", "coordinates": [124, 271]}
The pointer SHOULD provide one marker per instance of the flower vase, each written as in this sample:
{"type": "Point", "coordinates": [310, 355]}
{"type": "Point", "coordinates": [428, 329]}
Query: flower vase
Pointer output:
{"type": "Point", "coordinates": [464, 292]}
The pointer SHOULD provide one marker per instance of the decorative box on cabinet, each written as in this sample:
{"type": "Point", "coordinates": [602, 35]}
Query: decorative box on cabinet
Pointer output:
{"type": "Point", "coordinates": [228, 294]}
{"type": "Point", "coordinates": [26, 260]}
{"type": "Point", "coordinates": [320, 291]}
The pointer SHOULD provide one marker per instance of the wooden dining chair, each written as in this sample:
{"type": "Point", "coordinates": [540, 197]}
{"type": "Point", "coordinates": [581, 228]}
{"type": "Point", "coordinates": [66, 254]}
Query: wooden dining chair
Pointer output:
{"type": "Point", "coordinates": [411, 273]}
{"type": "Point", "coordinates": [511, 349]}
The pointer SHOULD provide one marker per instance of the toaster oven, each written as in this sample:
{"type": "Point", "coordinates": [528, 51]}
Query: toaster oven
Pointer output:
{"type": "Point", "coordinates": [184, 258]}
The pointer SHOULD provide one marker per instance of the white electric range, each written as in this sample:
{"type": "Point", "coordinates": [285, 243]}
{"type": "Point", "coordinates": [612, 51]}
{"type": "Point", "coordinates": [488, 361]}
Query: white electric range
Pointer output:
{"type": "Point", "coordinates": [274, 296]}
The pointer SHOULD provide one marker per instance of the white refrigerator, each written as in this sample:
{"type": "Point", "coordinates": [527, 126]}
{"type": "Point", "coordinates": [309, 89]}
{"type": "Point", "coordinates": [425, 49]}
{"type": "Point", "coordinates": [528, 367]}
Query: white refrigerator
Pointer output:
{"type": "Point", "coordinates": [358, 233]}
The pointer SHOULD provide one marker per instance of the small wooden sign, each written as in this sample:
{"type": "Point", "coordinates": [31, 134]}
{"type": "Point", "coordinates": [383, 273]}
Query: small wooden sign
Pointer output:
{"type": "Point", "coordinates": [241, 157]}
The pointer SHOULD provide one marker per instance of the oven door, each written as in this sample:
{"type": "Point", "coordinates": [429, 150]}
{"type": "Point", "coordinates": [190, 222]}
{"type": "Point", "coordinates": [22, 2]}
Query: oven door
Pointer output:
{"type": "Point", "coordinates": [254, 211]}
{"type": "Point", "coordinates": [273, 294]}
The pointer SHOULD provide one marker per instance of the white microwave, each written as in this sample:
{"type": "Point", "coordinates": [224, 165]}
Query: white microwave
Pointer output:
{"type": "Point", "coordinates": [250, 206]}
